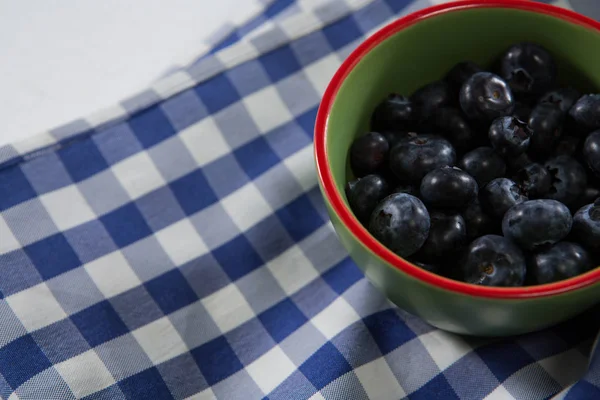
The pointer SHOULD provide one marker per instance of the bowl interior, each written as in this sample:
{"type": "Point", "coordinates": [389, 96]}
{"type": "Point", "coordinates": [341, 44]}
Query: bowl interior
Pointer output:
{"type": "Point", "coordinates": [426, 50]}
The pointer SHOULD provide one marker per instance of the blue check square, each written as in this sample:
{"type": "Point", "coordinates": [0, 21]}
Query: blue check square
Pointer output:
{"type": "Point", "coordinates": [282, 319]}
{"type": "Point", "coordinates": [217, 360]}
{"type": "Point", "coordinates": [126, 225]}
{"type": "Point", "coordinates": [343, 275]}
{"type": "Point", "coordinates": [193, 192]}
{"type": "Point", "coordinates": [342, 32]}
{"type": "Point", "coordinates": [504, 358]}
{"type": "Point", "coordinates": [171, 291]}
{"type": "Point", "coordinates": [217, 93]}
{"type": "Point", "coordinates": [438, 385]}
{"type": "Point", "coordinates": [325, 366]}
{"type": "Point", "coordinates": [99, 323]}
{"type": "Point", "coordinates": [151, 126]}
{"type": "Point", "coordinates": [82, 159]}
{"type": "Point", "coordinates": [21, 360]}
{"type": "Point", "coordinates": [256, 157]}
{"type": "Point", "coordinates": [583, 390]}
{"type": "Point", "coordinates": [385, 327]}
{"type": "Point", "coordinates": [300, 217]}
{"type": "Point", "coordinates": [280, 63]}
{"type": "Point", "coordinates": [237, 257]}
{"type": "Point", "coordinates": [52, 256]}
{"type": "Point", "coordinates": [15, 188]}
{"type": "Point", "coordinates": [307, 121]}
{"type": "Point", "coordinates": [147, 384]}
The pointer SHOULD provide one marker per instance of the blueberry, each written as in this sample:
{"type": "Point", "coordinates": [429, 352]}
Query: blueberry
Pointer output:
{"type": "Point", "coordinates": [563, 98]}
{"type": "Point", "coordinates": [368, 153]}
{"type": "Point", "coordinates": [546, 123]}
{"type": "Point", "coordinates": [586, 111]}
{"type": "Point", "coordinates": [522, 111]}
{"type": "Point", "coordinates": [593, 179]}
{"type": "Point", "coordinates": [389, 177]}
{"type": "Point", "coordinates": [500, 195]}
{"type": "Point", "coordinates": [413, 158]}
{"type": "Point", "coordinates": [528, 68]}
{"type": "Point", "coordinates": [401, 223]}
{"type": "Point", "coordinates": [478, 222]}
{"type": "Point", "coordinates": [364, 193]}
{"type": "Point", "coordinates": [562, 261]}
{"type": "Point", "coordinates": [461, 72]}
{"type": "Point", "coordinates": [483, 164]}
{"type": "Point", "coordinates": [405, 188]}
{"type": "Point", "coordinates": [509, 136]}
{"type": "Point", "coordinates": [515, 164]}
{"type": "Point", "coordinates": [485, 96]}
{"type": "Point", "coordinates": [434, 268]}
{"type": "Point", "coordinates": [569, 179]}
{"type": "Point", "coordinates": [589, 195]}
{"type": "Point", "coordinates": [534, 180]}
{"type": "Point", "coordinates": [492, 260]}
{"type": "Point", "coordinates": [394, 137]}
{"type": "Point", "coordinates": [395, 113]}
{"type": "Point", "coordinates": [586, 226]}
{"type": "Point", "coordinates": [447, 237]}
{"type": "Point", "coordinates": [454, 126]}
{"type": "Point", "coordinates": [591, 151]}
{"type": "Point", "coordinates": [537, 223]}
{"type": "Point", "coordinates": [567, 146]}
{"type": "Point", "coordinates": [448, 188]}
{"type": "Point", "coordinates": [430, 97]}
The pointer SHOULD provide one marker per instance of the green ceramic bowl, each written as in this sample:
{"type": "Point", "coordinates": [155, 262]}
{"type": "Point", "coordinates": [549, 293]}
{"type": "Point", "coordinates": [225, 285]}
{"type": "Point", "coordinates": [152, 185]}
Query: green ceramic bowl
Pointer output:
{"type": "Point", "coordinates": [401, 57]}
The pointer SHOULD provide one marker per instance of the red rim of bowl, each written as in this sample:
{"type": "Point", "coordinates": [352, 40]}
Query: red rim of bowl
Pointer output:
{"type": "Point", "coordinates": [347, 217]}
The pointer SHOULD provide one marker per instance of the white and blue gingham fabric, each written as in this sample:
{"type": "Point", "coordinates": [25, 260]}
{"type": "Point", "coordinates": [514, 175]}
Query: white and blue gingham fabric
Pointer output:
{"type": "Point", "coordinates": [176, 246]}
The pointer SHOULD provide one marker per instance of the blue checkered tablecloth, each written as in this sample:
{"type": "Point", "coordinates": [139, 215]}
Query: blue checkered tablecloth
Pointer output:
{"type": "Point", "coordinates": [175, 246]}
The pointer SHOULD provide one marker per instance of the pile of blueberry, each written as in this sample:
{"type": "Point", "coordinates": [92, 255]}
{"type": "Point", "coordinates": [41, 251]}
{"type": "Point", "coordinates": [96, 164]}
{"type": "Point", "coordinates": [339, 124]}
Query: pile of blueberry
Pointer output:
{"type": "Point", "coordinates": [491, 178]}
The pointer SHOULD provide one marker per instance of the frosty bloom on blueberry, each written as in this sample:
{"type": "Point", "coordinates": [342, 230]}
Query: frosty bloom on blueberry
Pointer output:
{"type": "Point", "coordinates": [486, 175]}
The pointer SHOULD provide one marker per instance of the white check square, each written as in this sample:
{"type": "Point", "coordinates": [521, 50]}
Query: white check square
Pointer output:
{"type": "Point", "coordinates": [500, 393]}
{"type": "Point", "coordinates": [67, 207]}
{"type": "Point", "coordinates": [173, 83]}
{"type": "Point", "coordinates": [320, 73]}
{"type": "Point", "coordinates": [302, 166]}
{"type": "Point", "coordinates": [138, 175]}
{"type": "Point", "coordinates": [36, 307]}
{"type": "Point", "coordinates": [112, 274]}
{"type": "Point", "coordinates": [378, 380]}
{"type": "Point", "coordinates": [181, 242]}
{"type": "Point", "coordinates": [444, 348]}
{"type": "Point", "coordinates": [555, 366]}
{"type": "Point", "coordinates": [228, 308]}
{"type": "Point", "coordinates": [8, 242]}
{"type": "Point", "coordinates": [106, 114]}
{"type": "Point", "coordinates": [271, 369]}
{"type": "Point", "coordinates": [160, 340]}
{"type": "Point", "coordinates": [34, 142]}
{"type": "Point", "coordinates": [246, 206]}
{"type": "Point", "coordinates": [85, 374]}
{"type": "Point", "coordinates": [206, 394]}
{"type": "Point", "coordinates": [292, 270]}
{"type": "Point", "coordinates": [204, 141]}
{"type": "Point", "coordinates": [335, 318]}
{"type": "Point", "coordinates": [267, 109]}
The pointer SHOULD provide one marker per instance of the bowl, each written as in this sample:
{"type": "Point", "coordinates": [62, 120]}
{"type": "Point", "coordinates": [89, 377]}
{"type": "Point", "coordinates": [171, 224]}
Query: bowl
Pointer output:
{"type": "Point", "coordinates": [401, 57]}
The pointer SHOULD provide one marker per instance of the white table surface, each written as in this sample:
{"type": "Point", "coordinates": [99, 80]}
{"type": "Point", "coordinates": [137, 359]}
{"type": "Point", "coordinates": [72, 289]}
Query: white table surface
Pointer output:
{"type": "Point", "coordinates": [63, 59]}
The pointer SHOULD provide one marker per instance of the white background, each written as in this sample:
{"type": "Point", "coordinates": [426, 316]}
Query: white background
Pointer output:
{"type": "Point", "coordinates": [64, 59]}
